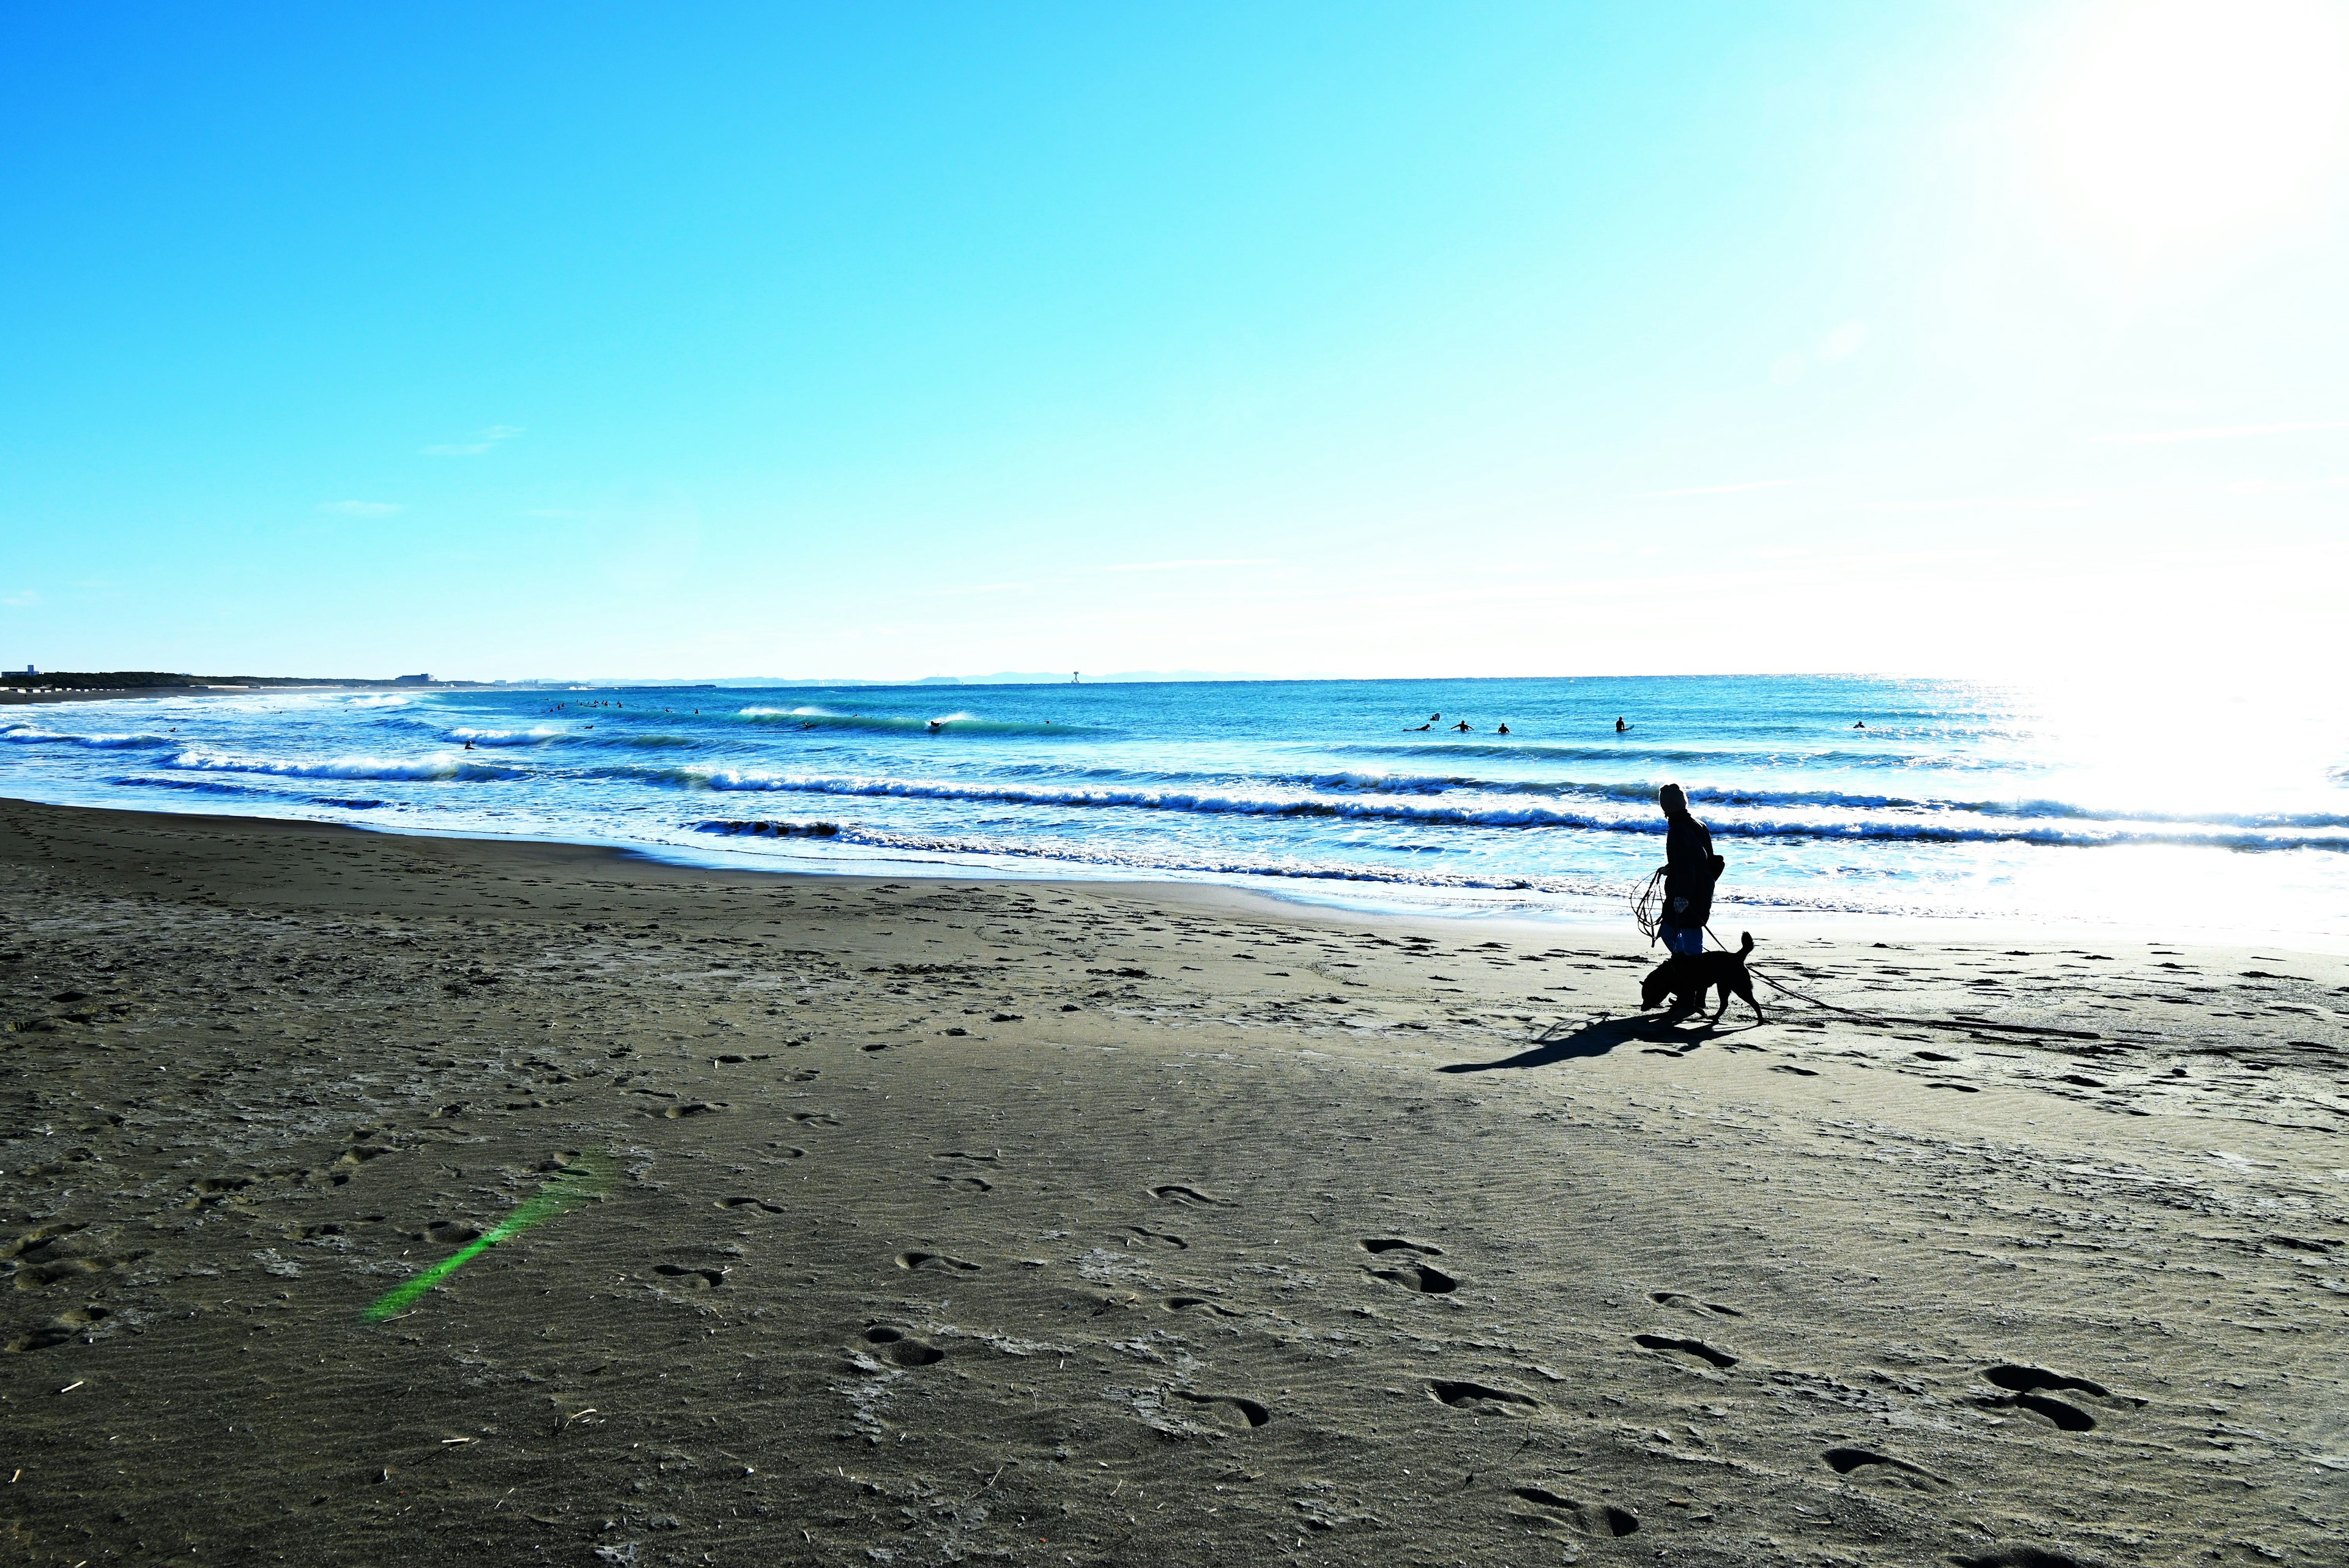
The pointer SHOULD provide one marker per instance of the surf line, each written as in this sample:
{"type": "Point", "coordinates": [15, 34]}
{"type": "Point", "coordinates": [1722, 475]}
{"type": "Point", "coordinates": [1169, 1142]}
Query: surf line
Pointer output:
{"type": "Point", "coordinates": [575, 1185]}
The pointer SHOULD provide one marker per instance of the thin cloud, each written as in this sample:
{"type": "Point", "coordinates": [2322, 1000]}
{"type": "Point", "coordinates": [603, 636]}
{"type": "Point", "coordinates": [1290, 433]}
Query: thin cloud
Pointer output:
{"type": "Point", "coordinates": [1172, 565]}
{"type": "Point", "coordinates": [2219, 432]}
{"type": "Point", "coordinates": [1980, 503]}
{"type": "Point", "coordinates": [1712, 488]}
{"type": "Point", "coordinates": [483, 440]}
{"type": "Point", "coordinates": [360, 508]}
{"type": "Point", "coordinates": [22, 599]}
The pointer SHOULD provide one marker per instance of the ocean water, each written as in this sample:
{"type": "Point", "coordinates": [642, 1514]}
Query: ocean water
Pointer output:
{"type": "Point", "coordinates": [2199, 819]}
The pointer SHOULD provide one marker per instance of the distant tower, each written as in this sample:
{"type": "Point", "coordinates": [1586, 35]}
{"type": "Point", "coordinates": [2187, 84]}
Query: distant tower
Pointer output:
{"type": "Point", "coordinates": [1072, 677]}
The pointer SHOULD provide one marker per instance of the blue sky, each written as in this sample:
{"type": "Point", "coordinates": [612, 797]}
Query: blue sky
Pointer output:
{"type": "Point", "coordinates": [1356, 339]}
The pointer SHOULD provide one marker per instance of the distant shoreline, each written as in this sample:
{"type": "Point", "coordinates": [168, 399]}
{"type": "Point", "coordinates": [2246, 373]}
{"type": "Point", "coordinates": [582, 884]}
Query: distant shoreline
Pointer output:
{"type": "Point", "coordinates": [116, 694]}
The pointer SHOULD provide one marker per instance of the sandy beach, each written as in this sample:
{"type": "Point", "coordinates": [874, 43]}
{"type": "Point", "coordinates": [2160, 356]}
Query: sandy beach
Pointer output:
{"type": "Point", "coordinates": [1106, 1223]}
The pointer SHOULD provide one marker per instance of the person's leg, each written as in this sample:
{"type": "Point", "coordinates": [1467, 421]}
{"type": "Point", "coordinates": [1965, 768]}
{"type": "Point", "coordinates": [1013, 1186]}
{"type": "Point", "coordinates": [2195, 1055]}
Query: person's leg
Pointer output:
{"type": "Point", "coordinates": [1686, 940]}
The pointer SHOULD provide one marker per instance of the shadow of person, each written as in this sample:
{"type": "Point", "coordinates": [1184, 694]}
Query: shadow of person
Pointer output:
{"type": "Point", "coordinates": [1596, 1039]}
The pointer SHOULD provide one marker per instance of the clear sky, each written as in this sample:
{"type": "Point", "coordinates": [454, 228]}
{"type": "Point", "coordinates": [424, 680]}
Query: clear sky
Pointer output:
{"type": "Point", "coordinates": [889, 340]}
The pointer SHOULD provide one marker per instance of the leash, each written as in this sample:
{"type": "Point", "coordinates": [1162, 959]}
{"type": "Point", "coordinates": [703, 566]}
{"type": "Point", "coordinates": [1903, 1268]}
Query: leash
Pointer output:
{"type": "Point", "coordinates": [1648, 911]}
{"type": "Point", "coordinates": [1960, 1025]}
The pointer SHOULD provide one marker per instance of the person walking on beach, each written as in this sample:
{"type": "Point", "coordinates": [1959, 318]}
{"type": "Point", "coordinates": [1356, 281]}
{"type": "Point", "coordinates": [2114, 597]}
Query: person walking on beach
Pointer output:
{"type": "Point", "coordinates": [1691, 868]}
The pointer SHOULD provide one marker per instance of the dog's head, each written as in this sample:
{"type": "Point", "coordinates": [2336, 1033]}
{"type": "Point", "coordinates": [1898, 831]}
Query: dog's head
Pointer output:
{"type": "Point", "coordinates": [1656, 986]}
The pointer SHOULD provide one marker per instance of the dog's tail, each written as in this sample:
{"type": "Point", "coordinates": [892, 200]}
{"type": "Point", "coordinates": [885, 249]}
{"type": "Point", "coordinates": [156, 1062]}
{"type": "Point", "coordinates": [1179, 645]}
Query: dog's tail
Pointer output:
{"type": "Point", "coordinates": [1747, 948]}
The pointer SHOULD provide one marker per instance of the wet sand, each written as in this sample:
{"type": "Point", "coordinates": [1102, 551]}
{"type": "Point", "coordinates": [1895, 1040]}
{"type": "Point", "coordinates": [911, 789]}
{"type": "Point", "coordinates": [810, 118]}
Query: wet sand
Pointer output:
{"type": "Point", "coordinates": [1119, 1224]}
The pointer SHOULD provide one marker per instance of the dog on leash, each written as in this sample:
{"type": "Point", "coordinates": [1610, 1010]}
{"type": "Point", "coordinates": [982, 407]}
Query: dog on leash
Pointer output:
{"type": "Point", "coordinates": [1686, 977]}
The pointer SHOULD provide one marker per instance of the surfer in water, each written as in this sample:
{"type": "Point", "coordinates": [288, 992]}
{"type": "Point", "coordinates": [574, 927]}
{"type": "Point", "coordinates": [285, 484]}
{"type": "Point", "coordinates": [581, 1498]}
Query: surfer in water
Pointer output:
{"type": "Point", "coordinates": [1462, 726]}
{"type": "Point", "coordinates": [1620, 725]}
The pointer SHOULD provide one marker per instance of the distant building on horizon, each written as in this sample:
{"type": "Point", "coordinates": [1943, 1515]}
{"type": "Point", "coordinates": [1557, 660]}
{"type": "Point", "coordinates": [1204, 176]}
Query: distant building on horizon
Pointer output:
{"type": "Point", "coordinates": [411, 679]}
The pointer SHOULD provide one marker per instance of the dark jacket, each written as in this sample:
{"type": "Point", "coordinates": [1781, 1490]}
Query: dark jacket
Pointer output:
{"type": "Point", "coordinates": [1690, 870]}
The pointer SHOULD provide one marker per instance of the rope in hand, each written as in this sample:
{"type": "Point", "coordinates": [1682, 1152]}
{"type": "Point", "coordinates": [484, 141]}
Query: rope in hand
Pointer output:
{"type": "Point", "coordinates": [1647, 905]}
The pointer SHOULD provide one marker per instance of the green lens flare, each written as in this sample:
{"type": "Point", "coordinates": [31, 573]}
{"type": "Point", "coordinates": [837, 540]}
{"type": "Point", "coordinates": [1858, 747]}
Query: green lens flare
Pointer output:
{"type": "Point", "coordinates": [578, 1182]}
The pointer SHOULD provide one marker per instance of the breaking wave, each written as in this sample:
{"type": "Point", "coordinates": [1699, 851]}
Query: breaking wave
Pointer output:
{"type": "Point", "coordinates": [26, 735]}
{"type": "Point", "coordinates": [1859, 828]}
{"type": "Point", "coordinates": [440, 765]}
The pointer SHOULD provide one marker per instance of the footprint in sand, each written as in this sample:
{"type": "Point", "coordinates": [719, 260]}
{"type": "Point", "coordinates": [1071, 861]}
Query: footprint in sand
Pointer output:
{"type": "Point", "coordinates": [1478, 1395]}
{"type": "Point", "coordinates": [1868, 1465]}
{"type": "Point", "coordinates": [1603, 1520]}
{"type": "Point", "coordinates": [761, 1204]}
{"type": "Point", "coordinates": [815, 1119]}
{"type": "Point", "coordinates": [1143, 1236]}
{"type": "Point", "coordinates": [1400, 1245]}
{"type": "Point", "coordinates": [690, 1277]}
{"type": "Point", "coordinates": [966, 1183]}
{"type": "Point", "coordinates": [1694, 1349]}
{"type": "Point", "coordinates": [35, 1241]}
{"type": "Point", "coordinates": [1425, 1278]}
{"type": "Point", "coordinates": [896, 1345]}
{"type": "Point", "coordinates": [2019, 1557]}
{"type": "Point", "coordinates": [2027, 1390]}
{"type": "Point", "coordinates": [935, 1261]}
{"type": "Point", "coordinates": [1184, 1195]}
{"type": "Point", "coordinates": [1237, 1409]}
{"type": "Point", "coordinates": [62, 1329]}
{"type": "Point", "coordinates": [1680, 1303]}
{"type": "Point", "coordinates": [38, 1276]}
{"type": "Point", "coordinates": [1194, 1303]}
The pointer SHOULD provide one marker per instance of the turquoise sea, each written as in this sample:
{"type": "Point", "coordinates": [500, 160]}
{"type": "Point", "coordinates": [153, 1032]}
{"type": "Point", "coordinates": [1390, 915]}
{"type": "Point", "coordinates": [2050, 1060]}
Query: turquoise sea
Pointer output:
{"type": "Point", "coordinates": [1970, 802]}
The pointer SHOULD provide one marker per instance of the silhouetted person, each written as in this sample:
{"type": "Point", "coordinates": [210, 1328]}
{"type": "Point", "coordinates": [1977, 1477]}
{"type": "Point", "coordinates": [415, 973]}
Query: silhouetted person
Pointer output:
{"type": "Point", "coordinates": [1462, 726]}
{"type": "Point", "coordinates": [1620, 725]}
{"type": "Point", "coordinates": [1691, 868]}
{"type": "Point", "coordinates": [1862, 725]}
{"type": "Point", "coordinates": [1502, 731]}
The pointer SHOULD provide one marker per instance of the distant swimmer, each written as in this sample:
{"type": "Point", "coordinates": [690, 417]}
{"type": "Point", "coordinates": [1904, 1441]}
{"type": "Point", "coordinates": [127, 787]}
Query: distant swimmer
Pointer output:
{"type": "Point", "coordinates": [1620, 726]}
{"type": "Point", "coordinates": [1502, 731]}
{"type": "Point", "coordinates": [1435, 718]}
{"type": "Point", "coordinates": [936, 724]}
{"type": "Point", "coordinates": [1462, 726]}
{"type": "Point", "coordinates": [469, 745]}
{"type": "Point", "coordinates": [1422, 728]}
{"type": "Point", "coordinates": [1862, 725]}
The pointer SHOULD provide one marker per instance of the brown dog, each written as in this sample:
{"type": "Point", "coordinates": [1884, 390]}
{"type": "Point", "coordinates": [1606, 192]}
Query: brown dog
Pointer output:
{"type": "Point", "coordinates": [1687, 978]}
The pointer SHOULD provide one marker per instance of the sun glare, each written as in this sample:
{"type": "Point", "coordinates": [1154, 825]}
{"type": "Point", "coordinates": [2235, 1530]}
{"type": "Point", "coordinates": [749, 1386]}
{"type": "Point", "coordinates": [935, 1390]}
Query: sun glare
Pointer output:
{"type": "Point", "coordinates": [2178, 118]}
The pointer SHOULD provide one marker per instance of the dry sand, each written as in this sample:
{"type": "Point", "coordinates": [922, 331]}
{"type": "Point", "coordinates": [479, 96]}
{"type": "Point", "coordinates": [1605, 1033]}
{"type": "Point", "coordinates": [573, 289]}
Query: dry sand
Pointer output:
{"type": "Point", "coordinates": [1123, 1224]}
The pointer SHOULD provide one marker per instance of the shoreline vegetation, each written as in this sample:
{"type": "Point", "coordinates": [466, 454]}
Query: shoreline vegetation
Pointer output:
{"type": "Point", "coordinates": [1124, 1223]}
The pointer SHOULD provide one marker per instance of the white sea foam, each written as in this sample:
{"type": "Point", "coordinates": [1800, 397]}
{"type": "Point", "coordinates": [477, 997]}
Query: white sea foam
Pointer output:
{"type": "Point", "coordinates": [536, 735]}
{"type": "Point", "coordinates": [439, 765]}
{"type": "Point", "coordinates": [26, 735]}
